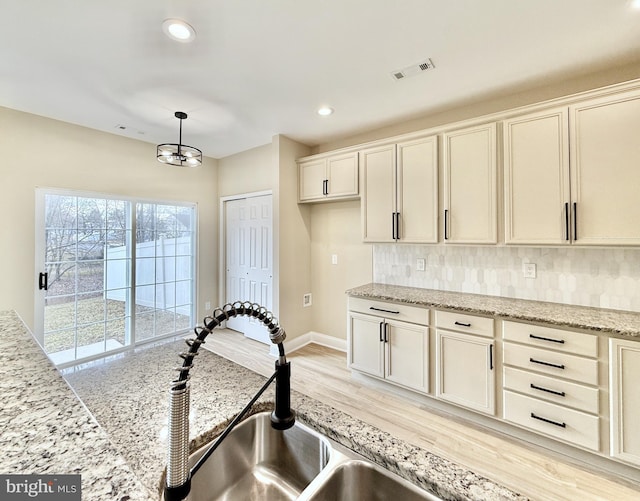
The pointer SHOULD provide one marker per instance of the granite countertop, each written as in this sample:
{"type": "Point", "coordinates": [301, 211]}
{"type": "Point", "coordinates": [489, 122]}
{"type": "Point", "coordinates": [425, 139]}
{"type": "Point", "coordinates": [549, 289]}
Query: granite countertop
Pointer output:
{"type": "Point", "coordinates": [112, 430]}
{"type": "Point", "coordinates": [625, 323]}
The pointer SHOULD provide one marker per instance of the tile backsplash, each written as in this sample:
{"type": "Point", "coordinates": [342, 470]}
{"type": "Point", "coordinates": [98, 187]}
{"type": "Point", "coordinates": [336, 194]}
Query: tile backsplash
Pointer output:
{"type": "Point", "coordinates": [604, 278]}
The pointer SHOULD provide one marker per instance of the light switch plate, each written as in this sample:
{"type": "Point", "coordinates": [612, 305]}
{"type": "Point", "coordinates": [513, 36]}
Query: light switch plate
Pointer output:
{"type": "Point", "coordinates": [420, 264]}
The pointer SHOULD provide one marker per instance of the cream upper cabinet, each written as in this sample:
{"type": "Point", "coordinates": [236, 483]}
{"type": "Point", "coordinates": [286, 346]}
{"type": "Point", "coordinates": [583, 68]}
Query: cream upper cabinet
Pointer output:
{"type": "Point", "coordinates": [378, 193]}
{"type": "Point", "coordinates": [329, 177]}
{"type": "Point", "coordinates": [605, 177]}
{"type": "Point", "coordinates": [399, 196]}
{"type": "Point", "coordinates": [470, 185]}
{"type": "Point", "coordinates": [536, 178]}
{"type": "Point", "coordinates": [624, 366]}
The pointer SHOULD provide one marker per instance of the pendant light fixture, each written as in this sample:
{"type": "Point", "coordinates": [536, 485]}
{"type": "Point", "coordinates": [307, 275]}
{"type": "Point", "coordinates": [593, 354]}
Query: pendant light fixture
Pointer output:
{"type": "Point", "coordinates": [179, 154]}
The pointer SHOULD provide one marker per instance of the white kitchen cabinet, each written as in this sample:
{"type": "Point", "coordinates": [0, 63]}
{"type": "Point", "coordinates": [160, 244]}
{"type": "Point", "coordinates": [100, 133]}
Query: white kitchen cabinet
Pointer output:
{"type": "Point", "coordinates": [571, 174]}
{"type": "Point", "coordinates": [605, 177]}
{"type": "Point", "coordinates": [624, 366]}
{"type": "Point", "coordinates": [465, 368]}
{"type": "Point", "coordinates": [328, 177]}
{"type": "Point", "coordinates": [470, 203]}
{"type": "Point", "coordinates": [551, 382]}
{"type": "Point", "coordinates": [536, 178]}
{"type": "Point", "coordinates": [390, 349]}
{"type": "Point", "coordinates": [400, 187]}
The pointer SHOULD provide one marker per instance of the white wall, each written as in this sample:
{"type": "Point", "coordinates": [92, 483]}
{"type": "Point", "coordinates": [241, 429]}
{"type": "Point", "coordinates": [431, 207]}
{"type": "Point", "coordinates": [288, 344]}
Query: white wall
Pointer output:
{"type": "Point", "coordinates": [40, 152]}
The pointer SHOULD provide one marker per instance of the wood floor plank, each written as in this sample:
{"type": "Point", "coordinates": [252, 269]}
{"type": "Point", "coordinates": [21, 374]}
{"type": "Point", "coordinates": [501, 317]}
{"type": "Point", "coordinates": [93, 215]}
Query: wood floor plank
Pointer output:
{"type": "Point", "coordinates": [322, 373]}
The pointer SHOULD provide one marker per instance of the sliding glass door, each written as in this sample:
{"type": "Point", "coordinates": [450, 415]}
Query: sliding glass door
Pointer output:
{"type": "Point", "coordinates": [111, 273]}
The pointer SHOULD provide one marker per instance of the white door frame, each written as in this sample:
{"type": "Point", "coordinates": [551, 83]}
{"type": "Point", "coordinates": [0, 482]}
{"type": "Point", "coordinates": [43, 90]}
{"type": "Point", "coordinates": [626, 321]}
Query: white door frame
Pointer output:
{"type": "Point", "coordinates": [222, 242]}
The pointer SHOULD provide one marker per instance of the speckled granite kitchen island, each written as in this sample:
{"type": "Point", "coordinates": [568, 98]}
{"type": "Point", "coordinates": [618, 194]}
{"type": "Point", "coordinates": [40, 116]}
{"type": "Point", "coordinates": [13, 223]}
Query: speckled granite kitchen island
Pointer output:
{"type": "Point", "coordinates": [121, 452]}
{"type": "Point", "coordinates": [625, 323]}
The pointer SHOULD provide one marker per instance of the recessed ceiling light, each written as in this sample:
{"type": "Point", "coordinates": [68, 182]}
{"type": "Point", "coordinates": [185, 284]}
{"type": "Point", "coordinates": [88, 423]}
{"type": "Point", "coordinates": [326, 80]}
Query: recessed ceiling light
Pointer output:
{"type": "Point", "coordinates": [178, 30]}
{"type": "Point", "coordinates": [325, 111]}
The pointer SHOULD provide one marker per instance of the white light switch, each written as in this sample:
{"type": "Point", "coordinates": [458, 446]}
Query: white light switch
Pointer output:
{"type": "Point", "coordinates": [420, 264]}
{"type": "Point", "coordinates": [334, 259]}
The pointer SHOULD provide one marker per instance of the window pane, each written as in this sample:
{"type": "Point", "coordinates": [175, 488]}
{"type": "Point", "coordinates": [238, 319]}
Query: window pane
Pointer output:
{"type": "Point", "coordinates": [116, 244]}
{"type": "Point", "coordinates": [165, 321]}
{"type": "Point", "coordinates": [60, 212]}
{"type": "Point", "coordinates": [117, 215]}
{"type": "Point", "coordinates": [145, 217]}
{"type": "Point", "coordinates": [59, 313]}
{"type": "Point", "coordinates": [166, 269]}
{"type": "Point", "coordinates": [60, 245]}
{"type": "Point", "coordinates": [145, 271]}
{"type": "Point", "coordinates": [90, 276]}
{"type": "Point", "coordinates": [145, 299]}
{"type": "Point", "coordinates": [115, 333]}
{"type": "Point", "coordinates": [184, 267]}
{"type": "Point", "coordinates": [62, 279]}
{"type": "Point", "coordinates": [145, 325]}
{"type": "Point", "coordinates": [90, 309]}
{"type": "Point", "coordinates": [184, 217]}
{"type": "Point", "coordinates": [184, 245]}
{"type": "Point", "coordinates": [117, 274]}
{"type": "Point", "coordinates": [60, 340]}
{"type": "Point", "coordinates": [91, 214]}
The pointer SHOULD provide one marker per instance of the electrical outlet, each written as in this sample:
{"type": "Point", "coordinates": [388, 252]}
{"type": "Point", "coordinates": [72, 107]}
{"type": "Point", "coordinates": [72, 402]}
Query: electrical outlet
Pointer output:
{"type": "Point", "coordinates": [306, 299]}
{"type": "Point", "coordinates": [207, 305]}
{"type": "Point", "coordinates": [529, 270]}
{"type": "Point", "coordinates": [420, 264]}
{"type": "Point", "coordinates": [334, 259]}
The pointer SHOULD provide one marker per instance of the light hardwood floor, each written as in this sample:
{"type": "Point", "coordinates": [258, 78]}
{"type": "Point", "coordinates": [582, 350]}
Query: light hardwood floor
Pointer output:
{"type": "Point", "coordinates": [322, 373]}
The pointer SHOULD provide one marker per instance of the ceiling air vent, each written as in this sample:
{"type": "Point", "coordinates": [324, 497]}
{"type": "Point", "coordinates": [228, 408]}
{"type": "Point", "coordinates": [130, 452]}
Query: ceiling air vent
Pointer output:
{"type": "Point", "coordinates": [413, 70]}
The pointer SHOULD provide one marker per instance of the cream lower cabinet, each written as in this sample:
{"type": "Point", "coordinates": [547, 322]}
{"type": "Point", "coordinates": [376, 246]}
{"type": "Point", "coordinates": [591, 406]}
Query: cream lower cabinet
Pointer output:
{"type": "Point", "coordinates": [465, 368]}
{"type": "Point", "coordinates": [550, 380]}
{"type": "Point", "coordinates": [624, 366]}
{"type": "Point", "coordinates": [390, 349]}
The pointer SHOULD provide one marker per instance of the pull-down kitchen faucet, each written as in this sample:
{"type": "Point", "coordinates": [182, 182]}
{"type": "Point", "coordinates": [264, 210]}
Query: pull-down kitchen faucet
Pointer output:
{"type": "Point", "coordinates": [178, 483]}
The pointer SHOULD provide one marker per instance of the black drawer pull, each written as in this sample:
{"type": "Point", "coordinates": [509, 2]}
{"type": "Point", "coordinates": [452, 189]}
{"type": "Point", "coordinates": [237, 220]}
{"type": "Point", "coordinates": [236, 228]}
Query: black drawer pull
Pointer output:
{"type": "Point", "coordinates": [551, 340]}
{"type": "Point", "coordinates": [462, 324]}
{"type": "Point", "coordinates": [554, 392]}
{"type": "Point", "coordinates": [385, 311]}
{"type": "Point", "coordinates": [561, 425]}
{"type": "Point", "coordinates": [380, 331]}
{"type": "Point", "coordinates": [549, 364]}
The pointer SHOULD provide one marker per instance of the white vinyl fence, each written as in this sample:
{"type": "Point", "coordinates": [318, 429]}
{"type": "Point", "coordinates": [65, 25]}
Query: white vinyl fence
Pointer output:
{"type": "Point", "coordinates": [163, 274]}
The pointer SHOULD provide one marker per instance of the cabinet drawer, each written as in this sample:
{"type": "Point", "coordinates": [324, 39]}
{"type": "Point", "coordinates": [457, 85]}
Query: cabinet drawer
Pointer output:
{"type": "Point", "coordinates": [562, 365]}
{"type": "Point", "coordinates": [554, 420]}
{"type": "Point", "coordinates": [575, 343]}
{"type": "Point", "coordinates": [462, 322]}
{"type": "Point", "coordinates": [552, 389]}
{"type": "Point", "coordinates": [402, 312]}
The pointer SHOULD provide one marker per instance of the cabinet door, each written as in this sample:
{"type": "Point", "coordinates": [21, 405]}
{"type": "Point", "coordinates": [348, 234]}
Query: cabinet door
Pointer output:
{"type": "Point", "coordinates": [407, 354]}
{"type": "Point", "coordinates": [366, 346]}
{"type": "Point", "coordinates": [417, 190]}
{"type": "Point", "coordinates": [342, 175]}
{"type": "Point", "coordinates": [606, 173]}
{"type": "Point", "coordinates": [311, 176]}
{"type": "Point", "coordinates": [464, 370]}
{"type": "Point", "coordinates": [624, 364]}
{"type": "Point", "coordinates": [378, 193]}
{"type": "Point", "coordinates": [536, 178]}
{"type": "Point", "coordinates": [470, 185]}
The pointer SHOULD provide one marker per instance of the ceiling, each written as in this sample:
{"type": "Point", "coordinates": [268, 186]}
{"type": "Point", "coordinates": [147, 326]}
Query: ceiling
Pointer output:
{"type": "Point", "coordinates": [262, 67]}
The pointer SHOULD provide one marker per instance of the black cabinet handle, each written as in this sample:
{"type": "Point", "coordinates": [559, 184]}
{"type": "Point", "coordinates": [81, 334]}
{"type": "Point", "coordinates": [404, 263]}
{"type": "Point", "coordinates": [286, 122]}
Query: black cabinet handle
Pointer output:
{"type": "Point", "coordinates": [396, 216]}
{"type": "Point", "coordinates": [575, 221]}
{"type": "Point", "coordinates": [386, 332]}
{"type": "Point", "coordinates": [549, 364]}
{"type": "Point", "coordinates": [566, 221]}
{"type": "Point", "coordinates": [551, 340]}
{"type": "Point", "coordinates": [553, 392]}
{"type": "Point", "coordinates": [491, 357]}
{"type": "Point", "coordinates": [446, 227]}
{"type": "Point", "coordinates": [43, 281]}
{"type": "Point", "coordinates": [325, 187]}
{"type": "Point", "coordinates": [550, 421]}
{"type": "Point", "coordinates": [380, 331]}
{"type": "Point", "coordinates": [393, 226]}
{"type": "Point", "coordinates": [462, 324]}
{"type": "Point", "coordinates": [383, 310]}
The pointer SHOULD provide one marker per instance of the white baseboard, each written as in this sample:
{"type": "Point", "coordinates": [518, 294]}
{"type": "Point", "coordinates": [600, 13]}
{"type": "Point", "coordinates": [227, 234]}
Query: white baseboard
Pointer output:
{"type": "Point", "coordinates": [312, 337]}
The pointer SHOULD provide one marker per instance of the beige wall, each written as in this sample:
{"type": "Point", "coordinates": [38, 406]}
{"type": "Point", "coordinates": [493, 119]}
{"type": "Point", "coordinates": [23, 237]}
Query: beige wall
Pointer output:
{"type": "Point", "coordinates": [51, 154]}
{"type": "Point", "coordinates": [529, 93]}
{"type": "Point", "coordinates": [335, 229]}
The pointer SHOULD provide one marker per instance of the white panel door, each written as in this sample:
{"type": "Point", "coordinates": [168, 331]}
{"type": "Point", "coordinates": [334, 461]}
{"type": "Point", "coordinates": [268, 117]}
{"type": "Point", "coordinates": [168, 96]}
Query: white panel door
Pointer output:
{"type": "Point", "coordinates": [249, 259]}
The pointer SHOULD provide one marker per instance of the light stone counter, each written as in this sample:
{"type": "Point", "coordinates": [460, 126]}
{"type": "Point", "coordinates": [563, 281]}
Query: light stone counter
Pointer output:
{"type": "Point", "coordinates": [45, 428]}
{"type": "Point", "coordinates": [625, 323]}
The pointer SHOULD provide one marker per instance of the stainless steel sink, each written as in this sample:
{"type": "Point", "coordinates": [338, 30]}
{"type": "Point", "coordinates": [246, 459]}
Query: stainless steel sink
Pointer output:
{"type": "Point", "coordinates": [357, 479]}
{"type": "Point", "coordinates": [256, 462]}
